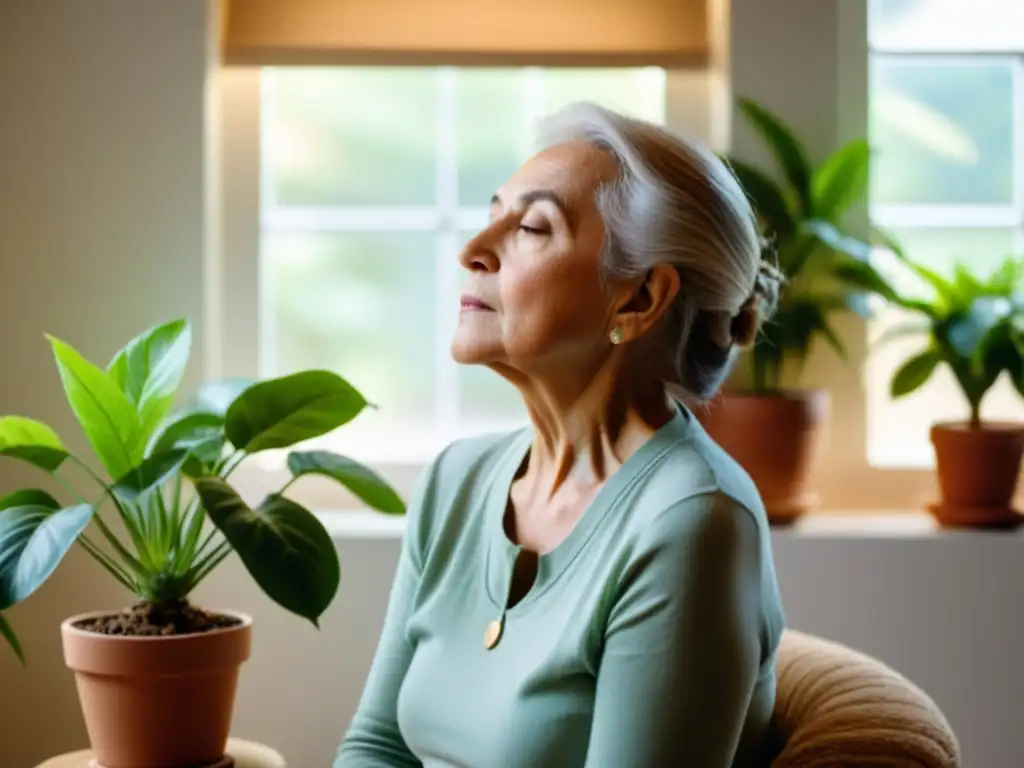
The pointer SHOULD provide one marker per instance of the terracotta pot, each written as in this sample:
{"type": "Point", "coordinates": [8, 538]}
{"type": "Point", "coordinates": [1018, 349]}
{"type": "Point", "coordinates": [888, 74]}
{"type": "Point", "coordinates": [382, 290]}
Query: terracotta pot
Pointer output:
{"type": "Point", "coordinates": [157, 702]}
{"type": "Point", "coordinates": [776, 438]}
{"type": "Point", "coordinates": [978, 469]}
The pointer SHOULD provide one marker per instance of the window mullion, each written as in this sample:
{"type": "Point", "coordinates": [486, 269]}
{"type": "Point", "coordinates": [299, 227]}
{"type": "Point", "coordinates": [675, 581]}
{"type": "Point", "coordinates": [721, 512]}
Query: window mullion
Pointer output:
{"type": "Point", "coordinates": [267, 328]}
{"type": "Point", "coordinates": [447, 383]}
{"type": "Point", "coordinates": [1018, 131]}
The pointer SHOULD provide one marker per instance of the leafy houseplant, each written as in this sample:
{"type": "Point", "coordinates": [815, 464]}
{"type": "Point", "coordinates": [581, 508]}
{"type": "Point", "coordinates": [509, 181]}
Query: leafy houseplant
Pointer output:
{"type": "Point", "coordinates": [774, 430]}
{"type": "Point", "coordinates": [157, 680]}
{"type": "Point", "coordinates": [973, 325]}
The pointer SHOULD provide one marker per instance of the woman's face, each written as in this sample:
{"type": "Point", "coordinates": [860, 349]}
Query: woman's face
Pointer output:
{"type": "Point", "coordinates": [534, 300]}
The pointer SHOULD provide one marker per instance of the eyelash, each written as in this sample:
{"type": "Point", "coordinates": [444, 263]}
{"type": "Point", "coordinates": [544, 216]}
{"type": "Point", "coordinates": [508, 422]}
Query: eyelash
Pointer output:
{"type": "Point", "coordinates": [531, 230]}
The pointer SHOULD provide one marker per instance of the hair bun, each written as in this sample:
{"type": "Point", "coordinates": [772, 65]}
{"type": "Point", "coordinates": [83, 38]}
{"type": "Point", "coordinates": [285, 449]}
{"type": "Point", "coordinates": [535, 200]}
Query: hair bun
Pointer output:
{"type": "Point", "coordinates": [745, 324]}
{"type": "Point", "coordinates": [768, 285]}
{"type": "Point", "coordinates": [759, 306]}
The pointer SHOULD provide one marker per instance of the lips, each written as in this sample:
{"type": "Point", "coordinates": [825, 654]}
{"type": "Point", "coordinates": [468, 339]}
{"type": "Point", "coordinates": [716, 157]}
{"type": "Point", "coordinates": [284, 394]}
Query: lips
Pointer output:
{"type": "Point", "coordinates": [473, 304]}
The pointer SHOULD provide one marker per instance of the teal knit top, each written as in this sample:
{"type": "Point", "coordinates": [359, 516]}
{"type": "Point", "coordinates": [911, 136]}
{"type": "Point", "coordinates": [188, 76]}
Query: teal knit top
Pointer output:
{"type": "Point", "coordinates": [647, 640]}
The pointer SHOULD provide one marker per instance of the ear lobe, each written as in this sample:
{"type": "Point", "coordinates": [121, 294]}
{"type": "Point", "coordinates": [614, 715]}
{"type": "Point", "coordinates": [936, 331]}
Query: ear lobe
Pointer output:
{"type": "Point", "coordinates": [649, 302]}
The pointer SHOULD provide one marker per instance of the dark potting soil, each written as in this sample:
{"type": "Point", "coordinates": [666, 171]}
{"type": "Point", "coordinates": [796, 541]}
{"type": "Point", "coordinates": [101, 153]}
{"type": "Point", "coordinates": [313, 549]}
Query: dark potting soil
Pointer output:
{"type": "Point", "coordinates": [176, 617]}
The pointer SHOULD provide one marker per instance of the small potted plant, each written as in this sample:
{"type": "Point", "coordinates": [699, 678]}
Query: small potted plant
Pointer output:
{"type": "Point", "coordinates": [763, 419]}
{"type": "Point", "coordinates": [973, 325]}
{"type": "Point", "coordinates": [157, 679]}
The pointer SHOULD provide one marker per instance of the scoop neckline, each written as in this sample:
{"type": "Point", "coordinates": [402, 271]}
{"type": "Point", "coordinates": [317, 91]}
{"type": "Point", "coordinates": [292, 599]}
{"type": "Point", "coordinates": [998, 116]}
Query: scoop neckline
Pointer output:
{"type": "Point", "coordinates": [550, 565]}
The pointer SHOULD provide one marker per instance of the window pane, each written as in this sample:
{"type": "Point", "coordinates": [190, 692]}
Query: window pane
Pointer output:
{"type": "Point", "coordinates": [362, 304]}
{"type": "Point", "coordinates": [492, 131]}
{"type": "Point", "coordinates": [898, 430]}
{"type": "Point", "coordinates": [953, 25]}
{"type": "Point", "coordinates": [352, 135]}
{"type": "Point", "coordinates": [942, 131]}
{"type": "Point", "coordinates": [485, 398]}
{"type": "Point", "coordinates": [639, 92]}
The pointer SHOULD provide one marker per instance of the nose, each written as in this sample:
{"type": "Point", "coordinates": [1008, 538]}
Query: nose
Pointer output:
{"type": "Point", "coordinates": [480, 254]}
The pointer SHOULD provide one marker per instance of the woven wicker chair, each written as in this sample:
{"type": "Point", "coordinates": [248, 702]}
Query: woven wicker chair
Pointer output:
{"type": "Point", "coordinates": [837, 707]}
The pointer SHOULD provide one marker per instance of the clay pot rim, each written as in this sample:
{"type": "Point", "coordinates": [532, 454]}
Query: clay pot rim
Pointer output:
{"type": "Point", "coordinates": [963, 425]}
{"type": "Point", "coordinates": [68, 628]}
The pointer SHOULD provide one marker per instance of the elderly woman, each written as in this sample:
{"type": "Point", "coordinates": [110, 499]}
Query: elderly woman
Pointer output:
{"type": "Point", "coordinates": [596, 589]}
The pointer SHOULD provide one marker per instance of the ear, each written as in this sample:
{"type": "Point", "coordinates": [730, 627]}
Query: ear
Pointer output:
{"type": "Point", "coordinates": [648, 302]}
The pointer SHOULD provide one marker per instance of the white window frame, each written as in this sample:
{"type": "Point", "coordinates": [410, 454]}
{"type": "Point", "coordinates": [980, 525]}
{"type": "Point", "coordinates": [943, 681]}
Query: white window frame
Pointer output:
{"type": "Point", "coordinates": [694, 101]}
{"type": "Point", "coordinates": [953, 216]}
{"type": "Point", "coordinates": [699, 103]}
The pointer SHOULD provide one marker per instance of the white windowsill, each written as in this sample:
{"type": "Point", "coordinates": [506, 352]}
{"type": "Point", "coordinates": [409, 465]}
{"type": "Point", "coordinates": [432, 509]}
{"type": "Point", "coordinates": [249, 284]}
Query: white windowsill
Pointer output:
{"type": "Point", "coordinates": [368, 524]}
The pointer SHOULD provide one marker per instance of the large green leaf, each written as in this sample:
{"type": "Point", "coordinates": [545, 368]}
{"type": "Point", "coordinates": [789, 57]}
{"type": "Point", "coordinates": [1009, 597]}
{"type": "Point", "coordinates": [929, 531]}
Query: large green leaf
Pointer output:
{"type": "Point", "coordinates": [201, 434]}
{"type": "Point", "coordinates": [361, 480]}
{"type": "Point", "coordinates": [784, 145]}
{"type": "Point", "coordinates": [188, 430]}
{"type": "Point", "coordinates": [968, 332]}
{"type": "Point", "coordinates": [1016, 371]}
{"type": "Point", "coordinates": [149, 370]}
{"type": "Point", "coordinates": [7, 632]}
{"type": "Point", "coordinates": [33, 540]}
{"type": "Point", "coordinates": [1008, 278]}
{"type": "Point", "coordinates": [104, 411]}
{"type": "Point", "coordinates": [914, 373]}
{"type": "Point", "coordinates": [31, 441]}
{"type": "Point", "coordinates": [283, 546]}
{"type": "Point", "coordinates": [841, 243]}
{"type": "Point", "coordinates": [29, 497]}
{"type": "Point", "coordinates": [841, 181]}
{"type": "Point", "coordinates": [153, 471]}
{"type": "Point", "coordinates": [281, 412]}
{"type": "Point", "coordinates": [768, 200]}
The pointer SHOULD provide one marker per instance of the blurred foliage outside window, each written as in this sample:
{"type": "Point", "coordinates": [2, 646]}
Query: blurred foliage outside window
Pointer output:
{"type": "Point", "coordinates": [946, 126]}
{"type": "Point", "coordinates": [373, 179]}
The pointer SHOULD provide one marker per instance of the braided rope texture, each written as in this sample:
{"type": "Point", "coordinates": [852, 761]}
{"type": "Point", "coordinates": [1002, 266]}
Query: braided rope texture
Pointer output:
{"type": "Point", "coordinates": [838, 708]}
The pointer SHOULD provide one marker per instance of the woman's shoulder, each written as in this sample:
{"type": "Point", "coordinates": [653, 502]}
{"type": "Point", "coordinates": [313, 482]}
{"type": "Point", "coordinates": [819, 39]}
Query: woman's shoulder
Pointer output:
{"type": "Point", "coordinates": [696, 474]}
{"type": "Point", "coordinates": [707, 510]}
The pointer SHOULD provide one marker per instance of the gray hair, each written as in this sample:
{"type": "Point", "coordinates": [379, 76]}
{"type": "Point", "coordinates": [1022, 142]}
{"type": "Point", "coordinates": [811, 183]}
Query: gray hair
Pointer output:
{"type": "Point", "coordinates": [674, 202]}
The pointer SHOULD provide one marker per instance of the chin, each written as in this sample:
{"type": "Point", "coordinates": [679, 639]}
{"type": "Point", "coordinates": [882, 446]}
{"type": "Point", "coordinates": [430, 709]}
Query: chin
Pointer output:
{"type": "Point", "coordinates": [471, 352]}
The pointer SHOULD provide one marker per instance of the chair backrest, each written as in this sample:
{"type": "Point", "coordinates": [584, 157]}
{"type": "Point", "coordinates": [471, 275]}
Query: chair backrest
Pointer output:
{"type": "Point", "coordinates": [838, 707]}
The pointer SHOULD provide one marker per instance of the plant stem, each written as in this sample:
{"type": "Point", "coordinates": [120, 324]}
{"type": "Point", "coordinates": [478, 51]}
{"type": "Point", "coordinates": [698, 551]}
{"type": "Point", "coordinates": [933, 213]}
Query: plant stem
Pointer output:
{"type": "Point", "coordinates": [103, 559]}
{"type": "Point", "coordinates": [231, 464]}
{"type": "Point", "coordinates": [201, 551]}
{"type": "Point", "coordinates": [120, 548]}
{"type": "Point", "coordinates": [176, 502]}
{"type": "Point", "coordinates": [126, 518]}
{"type": "Point", "coordinates": [192, 527]}
{"type": "Point", "coordinates": [206, 566]}
{"type": "Point", "coordinates": [67, 487]}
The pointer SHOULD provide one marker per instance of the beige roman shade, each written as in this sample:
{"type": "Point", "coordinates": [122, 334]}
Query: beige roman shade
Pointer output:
{"type": "Point", "coordinates": [669, 33]}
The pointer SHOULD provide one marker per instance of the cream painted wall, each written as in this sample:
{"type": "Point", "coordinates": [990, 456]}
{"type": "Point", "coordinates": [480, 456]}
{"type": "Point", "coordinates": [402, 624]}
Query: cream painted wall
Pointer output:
{"type": "Point", "coordinates": [104, 144]}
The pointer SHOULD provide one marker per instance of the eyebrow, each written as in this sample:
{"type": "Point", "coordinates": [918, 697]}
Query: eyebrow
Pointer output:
{"type": "Point", "coordinates": [535, 195]}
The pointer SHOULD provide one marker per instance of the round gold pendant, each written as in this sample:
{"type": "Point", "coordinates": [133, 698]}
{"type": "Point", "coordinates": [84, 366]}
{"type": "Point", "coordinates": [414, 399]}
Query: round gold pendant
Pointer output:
{"type": "Point", "coordinates": [493, 634]}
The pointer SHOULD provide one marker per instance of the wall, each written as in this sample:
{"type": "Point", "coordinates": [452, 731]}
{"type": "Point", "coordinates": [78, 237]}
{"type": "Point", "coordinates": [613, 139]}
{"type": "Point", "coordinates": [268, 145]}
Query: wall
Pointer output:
{"type": "Point", "coordinates": [104, 228]}
{"type": "Point", "coordinates": [104, 179]}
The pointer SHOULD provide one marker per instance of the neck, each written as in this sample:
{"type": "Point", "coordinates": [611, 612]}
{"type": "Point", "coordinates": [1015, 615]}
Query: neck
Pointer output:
{"type": "Point", "coordinates": [585, 430]}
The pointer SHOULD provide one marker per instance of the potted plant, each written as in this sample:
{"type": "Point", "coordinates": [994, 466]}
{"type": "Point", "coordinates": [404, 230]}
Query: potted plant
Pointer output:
{"type": "Point", "coordinates": [157, 680]}
{"type": "Point", "coordinates": [973, 325]}
{"type": "Point", "coordinates": [768, 424]}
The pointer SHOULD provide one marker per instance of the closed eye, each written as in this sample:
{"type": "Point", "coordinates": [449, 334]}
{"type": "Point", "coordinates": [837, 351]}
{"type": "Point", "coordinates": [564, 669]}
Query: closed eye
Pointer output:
{"type": "Point", "coordinates": [531, 230]}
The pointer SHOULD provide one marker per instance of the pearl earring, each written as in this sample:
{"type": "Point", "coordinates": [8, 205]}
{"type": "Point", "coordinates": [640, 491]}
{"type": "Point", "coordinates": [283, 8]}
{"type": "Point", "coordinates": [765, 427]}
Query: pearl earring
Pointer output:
{"type": "Point", "coordinates": [616, 335]}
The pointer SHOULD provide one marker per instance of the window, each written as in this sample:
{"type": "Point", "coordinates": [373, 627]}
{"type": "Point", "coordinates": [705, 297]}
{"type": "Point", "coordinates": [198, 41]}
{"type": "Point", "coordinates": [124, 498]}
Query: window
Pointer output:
{"type": "Point", "coordinates": [372, 180]}
{"type": "Point", "coordinates": [947, 129]}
